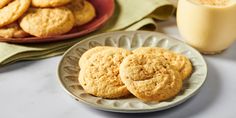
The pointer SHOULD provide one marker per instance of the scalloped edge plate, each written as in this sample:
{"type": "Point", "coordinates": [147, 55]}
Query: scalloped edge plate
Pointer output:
{"type": "Point", "coordinates": [104, 11]}
{"type": "Point", "coordinates": [68, 70]}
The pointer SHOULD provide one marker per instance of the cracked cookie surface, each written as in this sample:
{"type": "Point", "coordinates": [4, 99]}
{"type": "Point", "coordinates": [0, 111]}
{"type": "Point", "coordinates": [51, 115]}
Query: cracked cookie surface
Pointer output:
{"type": "Point", "coordinates": [100, 76]}
{"type": "Point", "coordinates": [83, 11]}
{"type": "Point", "coordinates": [49, 3]}
{"type": "Point", "coordinates": [13, 11]}
{"type": "Point", "coordinates": [87, 55]}
{"type": "Point", "coordinates": [181, 62]}
{"type": "Point", "coordinates": [12, 30]}
{"type": "Point", "coordinates": [150, 77]}
{"type": "Point", "coordinates": [42, 22]}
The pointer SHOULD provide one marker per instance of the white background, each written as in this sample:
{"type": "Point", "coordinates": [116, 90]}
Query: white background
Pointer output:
{"type": "Point", "coordinates": [31, 90]}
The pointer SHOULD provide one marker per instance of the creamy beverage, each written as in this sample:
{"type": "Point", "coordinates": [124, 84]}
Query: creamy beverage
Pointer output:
{"type": "Point", "coordinates": [211, 2]}
{"type": "Point", "coordinates": [208, 25]}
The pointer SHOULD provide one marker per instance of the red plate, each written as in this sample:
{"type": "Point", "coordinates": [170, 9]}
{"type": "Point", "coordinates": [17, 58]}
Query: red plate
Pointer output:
{"type": "Point", "coordinates": [104, 11]}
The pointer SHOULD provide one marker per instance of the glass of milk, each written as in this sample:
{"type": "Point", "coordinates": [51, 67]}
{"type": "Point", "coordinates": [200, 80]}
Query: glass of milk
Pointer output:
{"type": "Point", "coordinates": [207, 25]}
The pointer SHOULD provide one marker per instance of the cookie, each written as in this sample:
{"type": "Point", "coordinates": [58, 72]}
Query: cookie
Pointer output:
{"type": "Point", "coordinates": [83, 11]}
{"type": "Point", "coordinates": [149, 50]}
{"type": "Point", "coordinates": [149, 77]}
{"type": "Point", "coordinates": [85, 57]}
{"type": "Point", "coordinates": [4, 3]}
{"type": "Point", "coordinates": [12, 31]}
{"type": "Point", "coordinates": [49, 3]}
{"type": "Point", "coordinates": [181, 62]}
{"type": "Point", "coordinates": [13, 11]}
{"type": "Point", "coordinates": [42, 22]}
{"type": "Point", "coordinates": [100, 77]}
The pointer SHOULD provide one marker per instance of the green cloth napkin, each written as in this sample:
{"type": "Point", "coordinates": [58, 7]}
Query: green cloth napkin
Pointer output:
{"type": "Point", "coordinates": [129, 15]}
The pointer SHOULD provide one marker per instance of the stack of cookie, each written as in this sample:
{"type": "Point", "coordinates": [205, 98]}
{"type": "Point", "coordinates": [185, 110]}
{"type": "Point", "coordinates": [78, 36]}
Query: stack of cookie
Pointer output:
{"type": "Point", "coordinates": [42, 18]}
{"type": "Point", "coordinates": [150, 74]}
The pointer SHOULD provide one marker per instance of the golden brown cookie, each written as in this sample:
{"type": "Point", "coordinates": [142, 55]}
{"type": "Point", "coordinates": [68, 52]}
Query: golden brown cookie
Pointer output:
{"type": "Point", "coordinates": [100, 76]}
{"type": "Point", "coordinates": [12, 31]}
{"type": "Point", "coordinates": [4, 3]}
{"type": "Point", "coordinates": [181, 62]}
{"type": "Point", "coordinates": [42, 22]}
{"type": "Point", "coordinates": [13, 11]}
{"type": "Point", "coordinates": [49, 3]}
{"type": "Point", "coordinates": [85, 57]}
{"type": "Point", "coordinates": [149, 50]}
{"type": "Point", "coordinates": [83, 11]}
{"type": "Point", "coordinates": [150, 77]}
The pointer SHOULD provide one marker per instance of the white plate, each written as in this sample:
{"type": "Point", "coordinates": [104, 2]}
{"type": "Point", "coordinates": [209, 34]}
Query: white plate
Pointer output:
{"type": "Point", "coordinates": [68, 70]}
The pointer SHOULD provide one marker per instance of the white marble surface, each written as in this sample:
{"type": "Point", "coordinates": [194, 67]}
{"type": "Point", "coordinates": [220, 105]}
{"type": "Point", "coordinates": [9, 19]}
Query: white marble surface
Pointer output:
{"type": "Point", "coordinates": [31, 90]}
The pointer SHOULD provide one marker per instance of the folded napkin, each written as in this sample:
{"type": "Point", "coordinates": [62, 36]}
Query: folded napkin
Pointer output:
{"type": "Point", "coordinates": [129, 15]}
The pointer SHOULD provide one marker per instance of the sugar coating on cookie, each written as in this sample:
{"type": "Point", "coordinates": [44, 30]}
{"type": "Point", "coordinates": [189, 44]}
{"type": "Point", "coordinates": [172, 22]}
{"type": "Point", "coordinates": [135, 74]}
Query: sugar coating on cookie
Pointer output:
{"type": "Point", "coordinates": [4, 3]}
{"type": "Point", "coordinates": [83, 11]}
{"type": "Point", "coordinates": [149, 50]}
{"type": "Point", "coordinates": [150, 77]}
{"type": "Point", "coordinates": [43, 22]}
{"type": "Point", "coordinates": [49, 3]}
{"type": "Point", "coordinates": [12, 30]}
{"type": "Point", "coordinates": [101, 75]}
{"type": "Point", "coordinates": [181, 62]}
{"type": "Point", "coordinates": [85, 57]}
{"type": "Point", "coordinates": [13, 11]}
